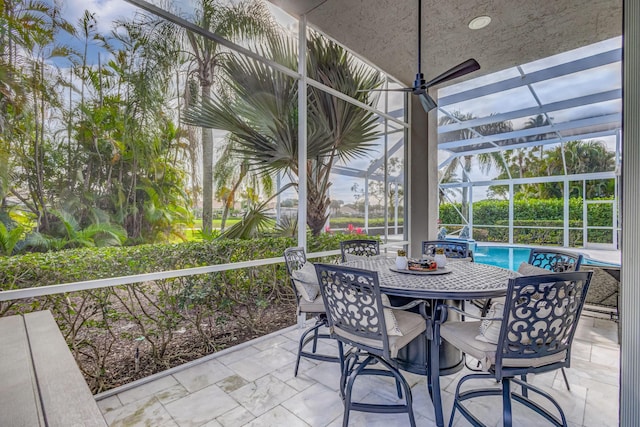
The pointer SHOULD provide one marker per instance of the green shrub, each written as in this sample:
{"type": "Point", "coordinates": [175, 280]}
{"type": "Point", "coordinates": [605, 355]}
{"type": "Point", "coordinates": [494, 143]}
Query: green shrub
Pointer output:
{"type": "Point", "coordinates": [359, 222]}
{"type": "Point", "coordinates": [532, 214]}
{"type": "Point", "coordinates": [212, 309]}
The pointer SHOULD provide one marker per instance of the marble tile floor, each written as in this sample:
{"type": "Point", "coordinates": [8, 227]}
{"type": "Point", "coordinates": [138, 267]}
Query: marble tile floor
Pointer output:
{"type": "Point", "coordinates": [253, 385]}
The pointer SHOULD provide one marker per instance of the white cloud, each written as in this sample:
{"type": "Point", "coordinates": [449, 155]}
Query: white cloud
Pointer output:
{"type": "Point", "coordinates": [106, 11]}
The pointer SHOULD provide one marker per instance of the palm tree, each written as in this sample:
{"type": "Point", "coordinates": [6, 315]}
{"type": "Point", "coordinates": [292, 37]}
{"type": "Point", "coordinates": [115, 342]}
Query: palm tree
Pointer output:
{"type": "Point", "coordinates": [262, 114]}
{"type": "Point", "coordinates": [26, 95]}
{"type": "Point", "coordinates": [244, 20]}
{"type": "Point", "coordinates": [67, 233]}
{"type": "Point", "coordinates": [229, 173]}
{"type": "Point", "coordinates": [255, 221]}
{"type": "Point", "coordinates": [537, 121]}
{"type": "Point", "coordinates": [486, 161]}
{"type": "Point", "coordinates": [579, 157]}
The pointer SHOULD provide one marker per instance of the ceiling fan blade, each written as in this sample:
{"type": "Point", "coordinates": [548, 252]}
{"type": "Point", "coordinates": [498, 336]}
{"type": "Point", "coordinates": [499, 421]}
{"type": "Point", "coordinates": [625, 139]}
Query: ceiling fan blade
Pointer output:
{"type": "Point", "coordinates": [427, 102]}
{"type": "Point", "coordinates": [468, 66]}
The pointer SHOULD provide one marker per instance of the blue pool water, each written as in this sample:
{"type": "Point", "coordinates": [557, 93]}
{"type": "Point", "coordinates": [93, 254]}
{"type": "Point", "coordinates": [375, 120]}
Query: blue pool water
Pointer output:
{"type": "Point", "coordinates": [510, 256]}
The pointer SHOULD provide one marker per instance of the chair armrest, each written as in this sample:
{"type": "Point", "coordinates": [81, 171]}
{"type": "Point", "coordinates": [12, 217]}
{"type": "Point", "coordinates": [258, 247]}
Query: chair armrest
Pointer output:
{"type": "Point", "coordinates": [416, 302]}
{"type": "Point", "coordinates": [407, 306]}
{"type": "Point", "coordinates": [443, 308]}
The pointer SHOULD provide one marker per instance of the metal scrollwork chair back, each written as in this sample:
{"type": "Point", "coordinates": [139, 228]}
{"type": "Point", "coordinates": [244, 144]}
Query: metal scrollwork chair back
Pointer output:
{"type": "Point", "coordinates": [555, 260]}
{"type": "Point", "coordinates": [359, 247]}
{"type": "Point", "coordinates": [452, 249]}
{"type": "Point", "coordinates": [355, 311]}
{"type": "Point", "coordinates": [536, 333]}
{"type": "Point", "coordinates": [295, 259]}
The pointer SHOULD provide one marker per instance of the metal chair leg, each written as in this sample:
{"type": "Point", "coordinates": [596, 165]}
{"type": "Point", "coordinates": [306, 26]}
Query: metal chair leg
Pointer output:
{"type": "Point", "coordinates": [307, 338]}
{"type": "Point", "coordinates": [436, 397]}
{"type": "Point", "coordinates": [506, 403]}
{"type": "Point", "coordinates": [566, 380]}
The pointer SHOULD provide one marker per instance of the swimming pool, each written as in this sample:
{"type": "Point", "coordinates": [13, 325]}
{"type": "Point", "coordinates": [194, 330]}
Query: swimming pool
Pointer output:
{"type": "Point", "coordinates": [512, 256]}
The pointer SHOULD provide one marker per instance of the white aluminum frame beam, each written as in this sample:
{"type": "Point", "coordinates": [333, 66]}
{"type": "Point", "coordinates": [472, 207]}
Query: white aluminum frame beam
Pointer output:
{"type": "Point", "coordinates": [595, 98]}
{"type": "Point", "coordinates": [610, 119]}
{"type": "Point", "coordinates": [575, 66]}
{"type": "Point", "coordinates": [532, 180]}
{"type": "Point", "coordinates": [527, 144]}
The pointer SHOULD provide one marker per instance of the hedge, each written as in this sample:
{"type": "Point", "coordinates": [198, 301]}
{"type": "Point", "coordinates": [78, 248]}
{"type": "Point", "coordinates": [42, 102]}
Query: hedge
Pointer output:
{"type": "Point", "coordinates": [152, 319]}
{"type": "Point", "coordinates": [533, 213]}
{"type": "Point", "coordinates": [359, 222]}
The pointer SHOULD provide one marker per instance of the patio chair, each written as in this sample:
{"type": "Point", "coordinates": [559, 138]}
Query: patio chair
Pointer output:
{"type": "Point", "coordinates": [552, 260]}
{"type": "Point", "coordinates": [452, 249]}
{"type": "Point", "coordinates": [442, 233]}
{"type": "Point", "coordinates": [359, 247]}
{"type": "Point", "coordinates": [309, 301]}
{"type": "Point", "coordinates": [604, 293]}
{"type": "Point", "coordinates": [555, 260]}
{"type": "Point", "coordinates": [361, 316]}
{"type": "Point", "coordinates": [536, 332]}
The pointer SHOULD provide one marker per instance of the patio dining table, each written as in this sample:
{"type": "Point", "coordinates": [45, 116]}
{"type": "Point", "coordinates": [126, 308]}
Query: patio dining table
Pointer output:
{"type": "Point", "coordinates": [462, 280]}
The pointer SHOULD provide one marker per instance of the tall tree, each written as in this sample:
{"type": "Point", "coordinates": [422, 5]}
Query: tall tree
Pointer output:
{"type": "Point", "coordinates": [569, 158]}
{"type": "Point", "coordinates": [486, 161]}
{"type": "Point", "coordinates": [241, 21]}
{"type": "Point", "coordinates": [28, 93]}
{"type": "Point", "coordinates": [262, 114]}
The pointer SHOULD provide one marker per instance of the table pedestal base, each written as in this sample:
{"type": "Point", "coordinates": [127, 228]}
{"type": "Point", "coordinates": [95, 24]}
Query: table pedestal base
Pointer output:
{"type": "Point", "coordinates": [415, 356]}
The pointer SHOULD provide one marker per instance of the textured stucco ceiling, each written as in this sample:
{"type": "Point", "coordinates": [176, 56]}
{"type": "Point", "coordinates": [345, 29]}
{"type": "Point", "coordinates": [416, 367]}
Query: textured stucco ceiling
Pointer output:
{"type": "Point", "coordinates": [385, 31]}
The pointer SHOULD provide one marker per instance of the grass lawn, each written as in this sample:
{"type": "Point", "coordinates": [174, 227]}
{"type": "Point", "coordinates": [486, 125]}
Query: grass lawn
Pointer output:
{"type": "Point", "coordinates": [193, 233]}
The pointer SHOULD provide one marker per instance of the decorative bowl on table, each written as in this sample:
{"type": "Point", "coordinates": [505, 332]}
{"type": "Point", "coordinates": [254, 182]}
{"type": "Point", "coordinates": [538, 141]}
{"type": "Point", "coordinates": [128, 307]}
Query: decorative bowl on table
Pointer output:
{"type": "Point", "coordinates": [422, 265]}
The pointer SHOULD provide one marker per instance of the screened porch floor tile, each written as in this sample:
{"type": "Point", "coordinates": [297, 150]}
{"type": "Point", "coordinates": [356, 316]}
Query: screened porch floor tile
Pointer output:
{"type": "Point", "coordinates": [254, 386]}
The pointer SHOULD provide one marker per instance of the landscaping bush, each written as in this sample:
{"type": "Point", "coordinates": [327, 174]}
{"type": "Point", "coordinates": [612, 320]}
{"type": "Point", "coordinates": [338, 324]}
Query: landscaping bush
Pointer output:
{"type": "Point", "coordinates": [532, 214]}
{"type": "Point", "coordinates": [376, 225]}
{"type": "Point", "coordinates": [126, 332]}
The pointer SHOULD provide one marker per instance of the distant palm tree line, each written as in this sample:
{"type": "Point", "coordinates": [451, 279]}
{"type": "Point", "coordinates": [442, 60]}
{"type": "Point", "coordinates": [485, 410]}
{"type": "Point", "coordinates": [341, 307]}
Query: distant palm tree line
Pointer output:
{"type": "Point", "coordinates": [569, 158]}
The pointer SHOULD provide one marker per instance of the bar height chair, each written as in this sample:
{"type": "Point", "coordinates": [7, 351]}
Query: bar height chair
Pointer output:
{"type": "Point", "coordinates": [536, 332]}
{"type": "Point", "coordinates": [309, 301]}
{"type": "Point", "coordinates": [555, 260]}
{"type": "Point", "coordinates": [359, 247]}
{"type": "Point", "coordinates": [452, 249]}
{"type": "Point", "coordinates": [545, 261]}
{"type": "Point", "coordinates": [359, 315]}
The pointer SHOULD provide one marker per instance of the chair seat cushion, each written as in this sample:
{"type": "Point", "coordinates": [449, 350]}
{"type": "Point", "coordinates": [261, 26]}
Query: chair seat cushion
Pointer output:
{"type": "Point", "coordinates": [390, 318]}
{"type": "Point", "coordinates": [490, 329]}
{"type": "Point", "coordinates": [463, 336]}
{"type": "Point", "coordinates": [527, 269]}
{"type": "Point", "coordinates": [306, 281]}
{"type": "Point", "coordinates": [315, 306]}
{"type": "Point", "coordinates": [410, 324]}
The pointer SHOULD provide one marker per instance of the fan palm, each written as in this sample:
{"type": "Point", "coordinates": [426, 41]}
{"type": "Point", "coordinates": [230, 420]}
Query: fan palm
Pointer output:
{"type": "Point", "coordinates": [262, 115]}
{"type": "Point", "coordinates": [70, 234]}
{"type": "Point", "coordinates": [254, 222]}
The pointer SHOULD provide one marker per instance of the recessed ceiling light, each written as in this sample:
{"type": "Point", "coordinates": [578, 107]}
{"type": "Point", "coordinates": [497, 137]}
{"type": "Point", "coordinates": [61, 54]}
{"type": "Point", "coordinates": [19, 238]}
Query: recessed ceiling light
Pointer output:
{"type": "Point", "coordinates": [479, 22]}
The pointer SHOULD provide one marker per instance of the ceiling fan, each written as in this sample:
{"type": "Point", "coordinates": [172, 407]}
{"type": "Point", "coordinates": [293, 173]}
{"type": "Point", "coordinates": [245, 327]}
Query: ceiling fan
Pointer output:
{"type": "Point", "coordinates": [420, 86]}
